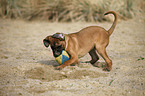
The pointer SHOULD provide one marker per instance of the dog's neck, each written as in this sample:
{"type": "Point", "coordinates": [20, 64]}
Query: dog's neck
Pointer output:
{"type": "Point", "coordinates": [66, 42]}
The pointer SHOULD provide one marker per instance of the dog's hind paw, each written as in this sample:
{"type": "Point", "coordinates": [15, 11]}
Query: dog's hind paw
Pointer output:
{"type": "Point", "coordinates": [58, 68]}
{"type": "Point", "coordinates": [107, 69]}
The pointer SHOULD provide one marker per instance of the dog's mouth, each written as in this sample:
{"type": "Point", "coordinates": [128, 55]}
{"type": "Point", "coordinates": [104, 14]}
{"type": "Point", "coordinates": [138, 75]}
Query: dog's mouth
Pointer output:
{"type": "Point", "coordinates": [56, 54]}
{"type": "Point", "coordinates": [57, 50]}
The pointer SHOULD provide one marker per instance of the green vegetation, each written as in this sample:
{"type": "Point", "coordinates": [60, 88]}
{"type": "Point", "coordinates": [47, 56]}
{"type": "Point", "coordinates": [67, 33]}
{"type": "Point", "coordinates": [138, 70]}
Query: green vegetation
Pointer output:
{"type": "Point", "coordinates": [68, 10]}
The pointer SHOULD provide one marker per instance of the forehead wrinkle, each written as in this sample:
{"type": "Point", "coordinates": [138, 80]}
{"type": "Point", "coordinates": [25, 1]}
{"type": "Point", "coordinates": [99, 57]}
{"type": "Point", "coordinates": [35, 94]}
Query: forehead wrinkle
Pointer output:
{"type": "Point", "coordinates": [53, 41]}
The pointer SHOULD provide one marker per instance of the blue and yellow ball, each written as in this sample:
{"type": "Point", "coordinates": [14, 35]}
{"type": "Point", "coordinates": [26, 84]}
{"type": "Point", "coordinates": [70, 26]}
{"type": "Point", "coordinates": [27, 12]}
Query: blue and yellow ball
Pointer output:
{"type": "Point", "coordinates": [63, 57]}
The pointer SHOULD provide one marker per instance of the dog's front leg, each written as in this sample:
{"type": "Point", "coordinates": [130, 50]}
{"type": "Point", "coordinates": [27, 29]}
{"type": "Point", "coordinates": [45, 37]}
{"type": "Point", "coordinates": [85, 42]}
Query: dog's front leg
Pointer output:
{"type": "Point", "coordinates": [73, 59]}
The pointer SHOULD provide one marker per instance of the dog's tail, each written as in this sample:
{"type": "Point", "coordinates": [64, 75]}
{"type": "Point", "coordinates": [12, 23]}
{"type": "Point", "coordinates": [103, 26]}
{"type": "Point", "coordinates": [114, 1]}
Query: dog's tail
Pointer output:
{"type": "Point", "coordinates": [110, 31]}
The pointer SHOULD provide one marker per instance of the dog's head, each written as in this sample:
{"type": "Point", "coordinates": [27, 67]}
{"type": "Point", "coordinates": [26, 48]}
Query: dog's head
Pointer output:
{"type": "Point", "coordinates": [56, 42]}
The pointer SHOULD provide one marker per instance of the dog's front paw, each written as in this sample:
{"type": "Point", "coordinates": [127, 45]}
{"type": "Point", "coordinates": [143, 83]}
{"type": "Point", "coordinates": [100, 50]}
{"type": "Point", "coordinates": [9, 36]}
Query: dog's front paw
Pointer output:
{"type": "Point", "coordinates": [58, 68]}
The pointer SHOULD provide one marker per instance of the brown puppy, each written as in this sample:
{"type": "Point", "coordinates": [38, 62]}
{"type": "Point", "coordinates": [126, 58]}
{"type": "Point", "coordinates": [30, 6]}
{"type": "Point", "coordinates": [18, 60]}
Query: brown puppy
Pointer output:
{"type": "Point", "coordinates": [87, 40]}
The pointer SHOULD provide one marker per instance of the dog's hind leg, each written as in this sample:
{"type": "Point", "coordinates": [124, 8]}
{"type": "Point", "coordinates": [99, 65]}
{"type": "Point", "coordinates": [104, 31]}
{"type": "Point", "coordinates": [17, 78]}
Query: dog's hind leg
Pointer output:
{"type": "Point", "coordinates": [102, 52]}
{"type": "Point", "coordinates": [93, 55]}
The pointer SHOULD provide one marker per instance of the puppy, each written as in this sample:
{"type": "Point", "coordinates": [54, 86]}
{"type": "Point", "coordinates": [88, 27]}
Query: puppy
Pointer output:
{"type": "Point", "coordinates": [87, 40]}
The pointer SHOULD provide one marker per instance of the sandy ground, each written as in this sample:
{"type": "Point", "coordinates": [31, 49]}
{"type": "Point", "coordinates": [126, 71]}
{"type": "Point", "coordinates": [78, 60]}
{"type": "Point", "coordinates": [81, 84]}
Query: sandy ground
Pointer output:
{"type": "Point", "coordinates": [27, 67]}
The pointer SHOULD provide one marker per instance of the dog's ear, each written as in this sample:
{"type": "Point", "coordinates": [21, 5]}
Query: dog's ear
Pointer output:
{"type": "Point", "coordinates": [46, 41]}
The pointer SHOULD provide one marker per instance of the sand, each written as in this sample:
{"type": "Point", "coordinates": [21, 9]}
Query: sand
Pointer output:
{"type": "Point", "coordinates": [27, 67]}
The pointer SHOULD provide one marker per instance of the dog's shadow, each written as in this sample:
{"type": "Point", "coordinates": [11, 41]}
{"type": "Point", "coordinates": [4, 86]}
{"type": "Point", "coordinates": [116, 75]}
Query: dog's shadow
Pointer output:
{"type": "Point", "coordinates": [101, 65]}
{"type": "Point", "coordinates": [51, 63]}
{"type": "Point", "coordinates": [55, 64]}
{"type": "Point", "coordinates": [48, 62]}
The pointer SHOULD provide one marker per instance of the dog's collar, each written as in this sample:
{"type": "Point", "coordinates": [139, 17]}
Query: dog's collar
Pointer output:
{"type": "Point", "coordinates": [59, 36]}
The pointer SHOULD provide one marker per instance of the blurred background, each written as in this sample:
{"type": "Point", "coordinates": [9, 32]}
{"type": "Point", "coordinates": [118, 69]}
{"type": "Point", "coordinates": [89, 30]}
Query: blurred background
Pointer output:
{"type": "Point", "coordinates": [69, 10]}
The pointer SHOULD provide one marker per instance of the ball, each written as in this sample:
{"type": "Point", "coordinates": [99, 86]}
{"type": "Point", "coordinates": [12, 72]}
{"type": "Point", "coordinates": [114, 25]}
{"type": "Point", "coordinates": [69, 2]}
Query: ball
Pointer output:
{"type": "Point", "coordinates": [63, 57]}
